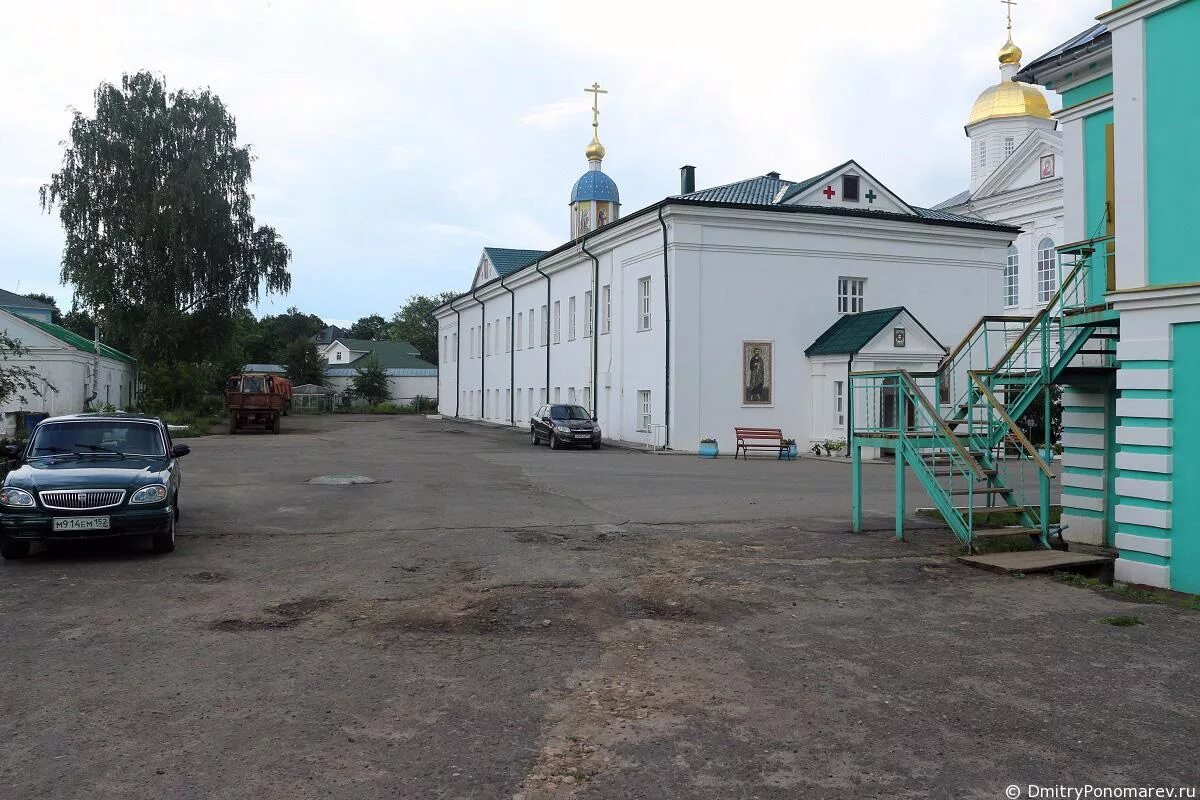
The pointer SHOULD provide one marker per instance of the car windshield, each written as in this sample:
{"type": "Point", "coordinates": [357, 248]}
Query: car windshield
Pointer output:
{"type": "Point", "coordinates": [569, 412]}
{"type": "Point", "coordinates": [96, 436]}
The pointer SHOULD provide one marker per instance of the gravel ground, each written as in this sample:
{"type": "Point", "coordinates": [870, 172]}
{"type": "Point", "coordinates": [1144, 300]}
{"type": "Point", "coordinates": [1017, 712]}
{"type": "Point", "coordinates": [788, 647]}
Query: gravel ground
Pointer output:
{"type": "Point", "coordinates": [493, 620]}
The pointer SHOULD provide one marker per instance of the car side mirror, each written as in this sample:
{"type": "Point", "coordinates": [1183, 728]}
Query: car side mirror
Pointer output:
{"type": "Point", "coordinates": [180, 450]}
{"type": "Point", "coordinates": [595, 418]}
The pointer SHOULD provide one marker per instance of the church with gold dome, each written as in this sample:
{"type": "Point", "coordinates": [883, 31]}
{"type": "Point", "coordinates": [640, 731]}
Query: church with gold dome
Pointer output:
{"type": "Point", "coordinates": [1016, 153]}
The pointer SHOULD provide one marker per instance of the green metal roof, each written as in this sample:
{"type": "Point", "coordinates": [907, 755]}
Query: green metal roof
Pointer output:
{"type": "Point", "coordinates": [852, 332]}
{"type": "Point", "coordinates": [77, 341]}
{"type": "Point", "coordinates": [398, 355]}
{"type": "Point", "coordinates": [507, 260]}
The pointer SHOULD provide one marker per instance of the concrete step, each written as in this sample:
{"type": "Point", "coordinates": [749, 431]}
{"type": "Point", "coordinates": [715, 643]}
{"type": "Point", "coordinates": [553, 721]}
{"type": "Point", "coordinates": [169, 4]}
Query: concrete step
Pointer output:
{"type": "Point", "coordinates": [1027, 561]}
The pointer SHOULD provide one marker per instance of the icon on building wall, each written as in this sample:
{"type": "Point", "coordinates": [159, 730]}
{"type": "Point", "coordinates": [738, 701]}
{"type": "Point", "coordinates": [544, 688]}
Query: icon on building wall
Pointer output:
{"type": "Point", "coordinates": [898, 337]}
{"type": "Point", "coordinates": [1047, 166]}
{"type": "Point", "coordinates": [758, 374]}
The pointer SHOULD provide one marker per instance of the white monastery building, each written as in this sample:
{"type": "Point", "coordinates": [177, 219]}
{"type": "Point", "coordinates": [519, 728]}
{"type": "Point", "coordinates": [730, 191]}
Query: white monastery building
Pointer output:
{"type": "Point", "coordinates": [1016, 153]}
{"type": "Point", "coordinates": [693, 315]}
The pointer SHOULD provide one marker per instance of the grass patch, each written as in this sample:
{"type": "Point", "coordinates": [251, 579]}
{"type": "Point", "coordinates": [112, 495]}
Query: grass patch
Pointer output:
{"type": "Point", "coordinates": [198, 423]}
{"type": "Point", "coordinates": [1123, 621]}
{"type": "Point", "coordinates": [1130, 593]}
{"type": "Point", "coordinates": [1003, 544]}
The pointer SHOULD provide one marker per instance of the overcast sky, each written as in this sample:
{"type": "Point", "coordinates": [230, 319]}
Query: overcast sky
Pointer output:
{"type": "Point", "coordinates": [394, 140]}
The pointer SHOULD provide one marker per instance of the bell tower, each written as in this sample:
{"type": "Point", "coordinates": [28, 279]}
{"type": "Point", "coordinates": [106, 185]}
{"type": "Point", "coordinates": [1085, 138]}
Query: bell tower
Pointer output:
{"type": "Point", "coordinates": [595, 201]}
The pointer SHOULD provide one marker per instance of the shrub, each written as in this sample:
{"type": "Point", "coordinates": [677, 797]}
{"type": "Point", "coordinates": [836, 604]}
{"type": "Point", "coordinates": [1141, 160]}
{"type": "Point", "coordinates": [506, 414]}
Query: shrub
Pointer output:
{"type": "Point", "coordinates": [422, 404]}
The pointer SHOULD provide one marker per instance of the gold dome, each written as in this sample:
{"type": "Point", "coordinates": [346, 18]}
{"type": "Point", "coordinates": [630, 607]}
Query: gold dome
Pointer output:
{"type": "Point", "coordinates": [1009, 99]}
{"type": "Point", "coordinates": [1010, 53]}
{"type": "Point", "coordinates": [595, 150]}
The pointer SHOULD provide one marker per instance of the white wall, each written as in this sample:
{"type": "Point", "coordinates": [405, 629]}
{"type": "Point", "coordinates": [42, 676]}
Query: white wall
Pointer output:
{"type": "Point", "coordinates": [735, 275]}
{"type": "Point", "coordinates": [68, 371]}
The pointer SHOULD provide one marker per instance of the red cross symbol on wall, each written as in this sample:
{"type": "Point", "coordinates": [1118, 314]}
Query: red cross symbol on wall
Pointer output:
{"type": "Point", "coordinates": [828, 192]}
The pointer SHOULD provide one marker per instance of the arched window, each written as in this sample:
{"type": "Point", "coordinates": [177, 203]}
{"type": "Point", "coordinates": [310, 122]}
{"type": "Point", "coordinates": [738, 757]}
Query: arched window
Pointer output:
{"type": "Point", "coordinates": [1047, 270]}
{"type": "Point", "coordinates": [1011, 268]}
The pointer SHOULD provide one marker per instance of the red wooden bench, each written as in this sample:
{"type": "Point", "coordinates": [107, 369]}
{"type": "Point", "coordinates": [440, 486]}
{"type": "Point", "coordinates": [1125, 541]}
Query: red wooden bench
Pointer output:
{"type": "Point", "coordinates": [757, 439]}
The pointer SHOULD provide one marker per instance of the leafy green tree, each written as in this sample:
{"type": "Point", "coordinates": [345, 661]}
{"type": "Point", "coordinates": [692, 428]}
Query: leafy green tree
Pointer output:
{"type": "Point", "coordinates": [373, 327]}
{"type": "Point", "coordinates": [371, 382]}
{"type": "Point", "coordinates": [303, 363]}
{"type": "Point", "coordinates": [414, 323]}
{"type": "Point", "coordinates": [160, 238]}
{"type": "Point", "coordinates": [55, 315]}
{"type": "Point", "coordinates": [268, 340]}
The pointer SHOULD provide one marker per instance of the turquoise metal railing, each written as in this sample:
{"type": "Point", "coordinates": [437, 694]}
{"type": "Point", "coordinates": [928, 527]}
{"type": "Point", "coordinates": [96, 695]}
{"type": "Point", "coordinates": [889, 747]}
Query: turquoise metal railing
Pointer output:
{"type": "Point", "coordinates": [955, 428]}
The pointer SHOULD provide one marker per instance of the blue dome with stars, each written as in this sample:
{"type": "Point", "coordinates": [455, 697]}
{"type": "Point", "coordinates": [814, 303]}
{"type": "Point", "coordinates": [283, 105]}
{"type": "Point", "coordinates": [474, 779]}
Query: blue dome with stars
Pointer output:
{"type": "Point", "coordinates": [595, 185]}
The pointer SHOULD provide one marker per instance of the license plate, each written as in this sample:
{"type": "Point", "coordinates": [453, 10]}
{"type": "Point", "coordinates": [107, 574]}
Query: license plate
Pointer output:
{"type": "Point", "coordinates": [583, 436]}
{"type": "Point", "coordinates": [81, 523]}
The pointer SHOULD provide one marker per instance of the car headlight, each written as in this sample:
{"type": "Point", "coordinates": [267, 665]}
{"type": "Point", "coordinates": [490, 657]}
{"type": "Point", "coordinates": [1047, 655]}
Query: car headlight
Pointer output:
{"type": "Point", "coordinates": [562, 429]}
{"type": "Point", "coordinates": [155, 493]}
{"type": "Point", "coordinates": [16, 498]}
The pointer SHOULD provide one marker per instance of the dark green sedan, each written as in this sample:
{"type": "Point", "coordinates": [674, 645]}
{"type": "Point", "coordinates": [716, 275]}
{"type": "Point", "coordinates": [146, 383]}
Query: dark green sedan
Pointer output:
{"type": "Point", "coordinates": [91, 476]}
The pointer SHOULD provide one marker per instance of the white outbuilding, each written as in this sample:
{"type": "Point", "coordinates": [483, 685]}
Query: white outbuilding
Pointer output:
{"type": "Point", "coordinates": [692, 316]}
{"type": "Point", "coordinates": [71, 371]}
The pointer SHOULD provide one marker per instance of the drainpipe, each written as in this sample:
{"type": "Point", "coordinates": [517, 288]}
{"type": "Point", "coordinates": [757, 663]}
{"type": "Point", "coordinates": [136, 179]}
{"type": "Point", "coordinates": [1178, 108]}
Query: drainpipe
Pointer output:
{"type": "Point", "coordinates": [595, 316]}
{"type": "Point", "coordinates": [849, 405]}
{"type": "Point", "coordinates": [457, 357]}
{"type": "Point", "coordinates": [482, 352]}
{"type": "Point", "coordinates": [545, 329]}
{"type": "Point", "coordinates": [512, 354]}
{"type": "Point", "coordinates": [666, 337]}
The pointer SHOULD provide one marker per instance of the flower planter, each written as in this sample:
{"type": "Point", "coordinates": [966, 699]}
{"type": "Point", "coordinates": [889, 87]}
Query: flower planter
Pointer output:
{"type": "Point", "coordinates": [708, 450]}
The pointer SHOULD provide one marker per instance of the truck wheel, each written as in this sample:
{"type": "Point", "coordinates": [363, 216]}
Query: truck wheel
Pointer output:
{"type": "Point", "coordinates": [233, 425]}
{"type": "Point", "coordinates": [11, 550]}
{"type": "Point", "coordinates": [275, 424]}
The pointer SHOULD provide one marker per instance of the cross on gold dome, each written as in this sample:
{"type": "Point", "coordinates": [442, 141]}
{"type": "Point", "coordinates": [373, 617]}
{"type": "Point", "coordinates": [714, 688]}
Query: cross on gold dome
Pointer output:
{"type": "Point", "coordinates": [1009, 53]}
{"type": "Point", "coordinates": [595, 150]}
{"type": "Point", "coordinates": [1008, 12]}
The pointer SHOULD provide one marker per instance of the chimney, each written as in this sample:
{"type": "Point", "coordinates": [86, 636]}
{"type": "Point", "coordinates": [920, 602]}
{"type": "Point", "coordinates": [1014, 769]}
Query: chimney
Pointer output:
{"type": "Point", "coordinates": [687, 179]}
{"type": "Point", "coordinates": [774, 175]}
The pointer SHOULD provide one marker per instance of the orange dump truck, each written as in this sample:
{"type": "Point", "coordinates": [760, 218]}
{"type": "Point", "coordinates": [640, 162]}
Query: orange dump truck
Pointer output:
{"type": "Point", "coordinates": [257, 398]}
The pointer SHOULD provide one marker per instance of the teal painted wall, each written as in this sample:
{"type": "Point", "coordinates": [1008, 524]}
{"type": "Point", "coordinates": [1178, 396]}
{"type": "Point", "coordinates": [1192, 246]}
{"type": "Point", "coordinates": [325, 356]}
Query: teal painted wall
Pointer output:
{"type": "Point", "coordinates": [1172, 133]}
{"type": "Point", "coordinates": [1095, 189]}
{"type": "Point", "coordinates": [1088, 91]}
{"type": "Point", "coordinates": [1185, 514]}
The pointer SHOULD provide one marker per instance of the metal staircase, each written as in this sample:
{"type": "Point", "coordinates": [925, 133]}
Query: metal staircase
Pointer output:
{"type": "Point", "coordinates": [956, 428]}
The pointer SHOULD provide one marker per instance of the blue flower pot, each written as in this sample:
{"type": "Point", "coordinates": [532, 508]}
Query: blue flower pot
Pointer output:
{"type": "Point", "coordinates": [708, 450]}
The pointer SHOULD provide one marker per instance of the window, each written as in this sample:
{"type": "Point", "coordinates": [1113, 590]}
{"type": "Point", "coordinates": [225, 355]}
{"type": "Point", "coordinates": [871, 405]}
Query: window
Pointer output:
{"type": "Point", "coordinates": [545, 326]}
{"type": "Point", "coordinates": [644, 304]}
{"type": "Point", "coordinates": [571, 319]}
{"type": "Point", "coordinates": [643, 397]}
{"type": "Point", "coordinates": [839, 404]}
{"type": "Point", "coordinates": [496, 411]}
{"type": "Point", "coordinates": [557, 321]}
{"type": "Point", "coordinates": [571, 394]}
{"type": "Point", "coordinates": [587, 398]}
{"type": "Point", "coordinates": [520, 327]}
{"type": "Point", "coordinates": [850, 295]}
{"type": "Point", "coordinates": [508, 401]}
{"type": "Point", "coordinates": [487, 342]}
{"type": "Point", "coordinates": [508, 334]}
{"type": "Point", "coordinates": [589, 314]}
{"type": "Point", "coordinates": [1010, 277]}
{"type": "Point", "coordinates": [850, 188]}
{"type": "Point", "coordinates": [1047, 270]}
{"type": "Point", "coordinates": [981, 154]}
{"type": "Point", "coordinates": [606, 303]}
{"type": "Point", "coordinates": [543, 394]}
{"type": "Point", "coordinates": [557, 393]}
{"type": "Point", "coordinates": [532, 338]}
{"type": "Point", "coordinates": [454, 349]}
{"type": "Point", "coordinates": [339, 355]}
{"type": "Point", "coordinates": [1010, 144]}
{"type": "Point", "coordinates": [445, 348]}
